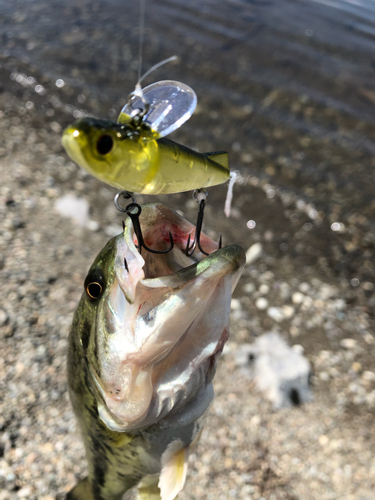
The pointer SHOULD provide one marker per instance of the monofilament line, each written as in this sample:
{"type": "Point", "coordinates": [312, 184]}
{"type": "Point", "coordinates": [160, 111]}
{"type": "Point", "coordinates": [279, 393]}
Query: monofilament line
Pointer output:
{"type": "Point", "coordinates": [142, 12]}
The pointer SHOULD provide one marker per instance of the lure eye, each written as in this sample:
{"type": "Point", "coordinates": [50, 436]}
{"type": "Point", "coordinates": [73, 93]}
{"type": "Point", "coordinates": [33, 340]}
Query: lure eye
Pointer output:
{"type": "Point", "coordinates": [94, 290]}
{"type": "Point", "coordinates": [104, 144]}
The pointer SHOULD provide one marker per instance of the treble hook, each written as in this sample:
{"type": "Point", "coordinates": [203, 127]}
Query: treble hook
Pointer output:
{"type": "Point", "coordinates": [129, 210]}
{"type": "Point", "coordinates": [199, 195]}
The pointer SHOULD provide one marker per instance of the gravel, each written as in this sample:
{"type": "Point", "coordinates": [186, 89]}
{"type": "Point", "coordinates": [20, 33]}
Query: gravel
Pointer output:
{"type": "Point", "coordinates": [323, 449]}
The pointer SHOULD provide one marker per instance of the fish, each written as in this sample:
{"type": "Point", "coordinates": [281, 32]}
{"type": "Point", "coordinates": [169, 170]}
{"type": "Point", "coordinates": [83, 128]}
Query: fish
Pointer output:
{"type": "Point", "coordinates": [135, 159]}
{"type": "Point", "coordinates": [142, 353]}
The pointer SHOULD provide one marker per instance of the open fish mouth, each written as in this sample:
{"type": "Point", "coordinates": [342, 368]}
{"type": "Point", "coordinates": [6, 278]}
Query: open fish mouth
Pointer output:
{"type": "Point", "coordinates": [161, 322]}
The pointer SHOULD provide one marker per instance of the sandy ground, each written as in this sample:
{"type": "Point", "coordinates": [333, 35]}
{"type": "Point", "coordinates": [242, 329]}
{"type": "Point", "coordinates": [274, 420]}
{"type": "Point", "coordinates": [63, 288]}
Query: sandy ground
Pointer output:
{"type": "Point", "coordinates": [323, 450]}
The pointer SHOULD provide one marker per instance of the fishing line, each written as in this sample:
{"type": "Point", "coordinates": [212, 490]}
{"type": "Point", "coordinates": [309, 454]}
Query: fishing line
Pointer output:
{"type": "Point", "coordinates": [142, 13]}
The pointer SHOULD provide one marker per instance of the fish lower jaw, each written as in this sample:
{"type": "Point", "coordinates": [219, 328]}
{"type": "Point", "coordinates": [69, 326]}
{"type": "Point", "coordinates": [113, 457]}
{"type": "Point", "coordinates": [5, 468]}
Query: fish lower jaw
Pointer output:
{"type": "Point", "coordinates": [120, 413]}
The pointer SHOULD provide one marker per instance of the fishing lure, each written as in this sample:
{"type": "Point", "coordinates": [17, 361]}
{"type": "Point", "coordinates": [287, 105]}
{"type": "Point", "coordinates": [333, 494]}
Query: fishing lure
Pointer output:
{"type": "Point", "coordinates": [133, 154]}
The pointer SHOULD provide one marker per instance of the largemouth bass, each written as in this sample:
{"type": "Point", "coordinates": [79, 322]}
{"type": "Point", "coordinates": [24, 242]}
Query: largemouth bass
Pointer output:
{"type": "Point", "coordinates": [134, 158]}
{"type": "Point", "coordinates": [142, 355]}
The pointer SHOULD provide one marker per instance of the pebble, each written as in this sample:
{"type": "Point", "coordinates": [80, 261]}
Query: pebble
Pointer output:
{"type": "Point", "coordinates": [275, 313]}
{"type": "Point", "coordinates": [261, 303]}
{"type": "Point", "coordinates": [253, 253]}
{"type": "Point", "coordinates": [304, 287]}
{"type": "Point", "coordinates": [348, 343]}
{"type": "Point", "coordinates": [368, 376]}
{"type": "Point", "coordinates": [235, 305]}
{"type": "Point", "coordinates": [249, 288]}
{"type": "Point", "coordinates": [264, 289]}
{"type": "Point", "coordinates": [298, 298]}
{"type": "Point", "coordinates": [72, 207]}
{"type": "Point", "coordinates": [3, 317]}
{"type": "Point", "coordinates": [112, 230]}
{"type": "Point", "coordinates": [288, 311]}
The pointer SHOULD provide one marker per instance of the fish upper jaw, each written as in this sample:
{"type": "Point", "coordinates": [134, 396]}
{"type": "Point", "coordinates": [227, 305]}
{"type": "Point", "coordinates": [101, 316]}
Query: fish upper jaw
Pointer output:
{"type": "Point", "coordinates": [163, 323]}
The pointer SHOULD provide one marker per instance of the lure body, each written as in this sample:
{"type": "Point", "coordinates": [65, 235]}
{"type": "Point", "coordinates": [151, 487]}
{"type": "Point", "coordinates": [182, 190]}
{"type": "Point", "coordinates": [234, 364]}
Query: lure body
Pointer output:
{"type": "Point", "coordinates": [142, 354]}
{"type": "Point", "coordinates": [135, 159]}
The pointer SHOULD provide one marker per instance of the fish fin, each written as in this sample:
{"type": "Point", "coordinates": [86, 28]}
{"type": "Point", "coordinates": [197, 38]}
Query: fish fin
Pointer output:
{"type": "Point", "coordinates": [174, 463]}
{"type": "Point", "coordinates": [82, 491]}
{"type": "Point", "coordinates": [220, 157]}
{"type": "Point", "coordinates": [148, 493]}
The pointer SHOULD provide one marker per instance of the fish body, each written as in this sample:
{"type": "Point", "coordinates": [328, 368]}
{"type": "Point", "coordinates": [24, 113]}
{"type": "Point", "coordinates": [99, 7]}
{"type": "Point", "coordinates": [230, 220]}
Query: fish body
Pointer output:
{"type": "Point", "coordinates": [136, 159]}
{"type": "Point", "coordinates": [142, 354]}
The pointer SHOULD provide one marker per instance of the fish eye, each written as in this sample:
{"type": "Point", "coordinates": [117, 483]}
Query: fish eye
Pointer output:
{"type": "Point", "coordinates": [104, 144]}
{"type": "Point", "coordinates": [94, 285]}
{"type": "Point", "coordinates": [94, 290]}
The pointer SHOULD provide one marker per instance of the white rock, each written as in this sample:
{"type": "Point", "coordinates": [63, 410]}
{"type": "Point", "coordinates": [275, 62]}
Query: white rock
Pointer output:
{"type": "Point", "coordinates": [275, 313]}
{"type": "Point", "coordinates": [298, 348]}
{"type": "Point", "coordinates": [369, 339]}
{"type": "Point", "coordinates": [307, 303]}
{"type": "Point", "coordinates": [74, 208]}
{"type": "Point", "coordinates": [288, 311]}
{"type": "Point", "coordinates": [368, 376]}
{"type": "Point", "coordinates": [244, 354]}
{"type": "Point", "coordinates": [3, 317]}
{"type": "Point", "coordinates": [264, 289]}
{"type": "Point", "coordinates": [327, 291]}
{"type": "Point", "coordinates": [348, 343]}
{"type": "Point", "coordinates": [284, 290]}
{"type": "Point", "coordinates": [340, 304]}
{"type": "Point", "coordinates": [280, 371]}
{"type": "Point", "coordinates": [266, 276]}
{"type": "Point", "coordinates": [261, 303]}
{"type": "Point", "coordinates": [93, 225]}
{"type": "Point", "coordinates": [249, 288]}
{"type": "Point", "coordinates": [235, 305]}
{"type": "Point", "coordinates": [253, 253]}
{"type": "Point", "coordinates": [304, 287]}
{"type": "Point", "coordinates": [112, 230]}
{"type": "Point", "coordinates": [298, 298]}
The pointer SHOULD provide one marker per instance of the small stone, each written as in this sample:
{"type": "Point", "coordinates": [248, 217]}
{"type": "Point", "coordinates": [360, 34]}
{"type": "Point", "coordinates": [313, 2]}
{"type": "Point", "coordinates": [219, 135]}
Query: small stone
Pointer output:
{"type": "Point", "coordinates": [249, 288]}
{"type": "Point", "coordinates": [368, 376]}
{"type": "Point", "coordinates": [369, 339]}
{"type": "Point", "coordinates": [340, 304]}
{"type": "Point", "coordinates": [261, 303]}
{"type": "Point", "coordinates": [348, 343]}
{"type": "Point", "coordinates": [288, 311]}
{"type": "Point", "coordinates": [304, 287]}
{"type": "Point", "coordinates": [357, 367]}
{"type": "Point", "coordinates": [92, 225]}
{"type": "Point", "coordinates": [275, 313]}
{"type": "Point", "coordinates": [255, 421]}
{"type": "Point", "coordinates": [253, 253]}
{"type": "Point", "coordinates": [235, 305]}
{"type": "Point", "coordinates": [294, 331]}
{"type": "Point", "coordinates": [112, 230]}
{"type": "Point", "coordinates": [264, 289]}
{"type": "Point", "coordinates": [323, 440]}
{"type": "Point", "coordinates": [73, 207]}
{"type": "Point", "coordinates": [298, 298]}
{"type": "Point", "coordinates": [327, 291]}
{"type": "Point", "coordinates": [284, 290]}
{"type": "Point", "coordinates": [24, 492]}
{"type": "Point", "coordinates": [3, 317]}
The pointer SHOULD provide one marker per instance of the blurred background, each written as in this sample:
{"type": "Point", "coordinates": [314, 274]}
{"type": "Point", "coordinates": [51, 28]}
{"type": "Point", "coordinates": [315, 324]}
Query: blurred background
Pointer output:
{"type": "Point", "coordinates": [287, 88]}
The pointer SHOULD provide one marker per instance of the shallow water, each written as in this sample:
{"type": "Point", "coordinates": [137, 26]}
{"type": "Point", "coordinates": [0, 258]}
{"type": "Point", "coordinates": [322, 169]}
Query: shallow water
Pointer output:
{"type": "Point", "coordinates": [286, 86]}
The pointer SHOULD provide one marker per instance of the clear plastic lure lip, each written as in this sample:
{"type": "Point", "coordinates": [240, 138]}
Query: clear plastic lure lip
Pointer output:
{"type": "Point", "coordinates": [170, 105]}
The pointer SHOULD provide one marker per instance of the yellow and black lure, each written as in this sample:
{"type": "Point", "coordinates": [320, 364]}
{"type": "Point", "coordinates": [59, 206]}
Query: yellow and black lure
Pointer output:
{"type": "Point", "coordinates": [132, 153]}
